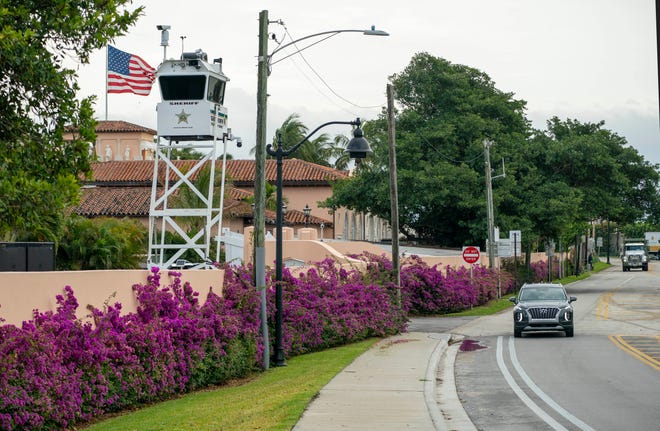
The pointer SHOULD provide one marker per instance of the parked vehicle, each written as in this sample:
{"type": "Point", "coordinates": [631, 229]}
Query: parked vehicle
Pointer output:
{"type": "Point", "coordinates": [542, 307]}
{"type": "Point", "coordinates": [652, 244]}
{"type": "Point", "coordinates": [634, 254]}
{"type": "Point", "coordinates": [182, 264]}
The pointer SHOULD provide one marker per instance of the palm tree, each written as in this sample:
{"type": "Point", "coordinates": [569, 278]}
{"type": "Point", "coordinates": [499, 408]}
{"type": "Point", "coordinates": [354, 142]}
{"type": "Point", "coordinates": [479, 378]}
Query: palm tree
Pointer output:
{"type": "Point", "coordinates": [321, 150]}
{"type": "Point", "coordinates": [271, 197]}
{"type": "Point", "coordinates": [187, 198]}
{"type": "Point", "coordinates": [341, 157]}
{"type": "Point", "coordinates": [189, 154]}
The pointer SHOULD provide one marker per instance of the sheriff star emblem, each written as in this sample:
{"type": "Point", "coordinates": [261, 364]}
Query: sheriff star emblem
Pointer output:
{"type": "Point", "coordinates": [183, 117]}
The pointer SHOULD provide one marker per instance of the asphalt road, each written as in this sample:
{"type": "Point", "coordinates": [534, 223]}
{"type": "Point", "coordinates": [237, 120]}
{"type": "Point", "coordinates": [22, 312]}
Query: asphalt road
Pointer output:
{"type": "Point", "coordinates": [607, 377]}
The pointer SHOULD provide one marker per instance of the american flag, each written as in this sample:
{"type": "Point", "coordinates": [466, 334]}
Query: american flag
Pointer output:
{"type": "Point", "coordinates": [128, 73]}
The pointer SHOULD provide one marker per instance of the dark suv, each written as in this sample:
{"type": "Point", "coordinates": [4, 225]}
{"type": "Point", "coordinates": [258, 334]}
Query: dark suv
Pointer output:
{"type": "Point", "coordinates": [542, 307]}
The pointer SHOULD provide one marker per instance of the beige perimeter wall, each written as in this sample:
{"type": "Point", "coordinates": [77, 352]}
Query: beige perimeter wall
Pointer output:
{"type": "Point", "coordinates": [22, 292]}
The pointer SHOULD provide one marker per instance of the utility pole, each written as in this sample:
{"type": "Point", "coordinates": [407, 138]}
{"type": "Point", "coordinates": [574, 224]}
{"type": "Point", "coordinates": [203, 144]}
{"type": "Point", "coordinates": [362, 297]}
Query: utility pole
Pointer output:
{"type": "Point", "coordinates": [394, 197]}
{"type": "Point", "coordinates": [489, 199]}
{"type": "Point", "coordinates": [259, 258]}
{"type": "Point", "coordinates": [263, 71]}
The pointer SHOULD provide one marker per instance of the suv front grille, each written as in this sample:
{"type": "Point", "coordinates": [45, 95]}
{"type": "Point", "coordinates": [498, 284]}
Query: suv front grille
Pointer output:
{"type": "Point", "coordinates": [543, 312]}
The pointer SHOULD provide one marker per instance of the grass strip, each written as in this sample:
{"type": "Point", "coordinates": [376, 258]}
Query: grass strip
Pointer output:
{"type": "Point", "coordinates": [492, 307]}
{"type": "Point", "coordinates": [272, 400]}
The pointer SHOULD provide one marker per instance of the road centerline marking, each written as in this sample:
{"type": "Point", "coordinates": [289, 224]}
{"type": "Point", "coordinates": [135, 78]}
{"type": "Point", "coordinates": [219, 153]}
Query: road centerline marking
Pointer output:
{"type": "Point", "coordinates": [620, 342]}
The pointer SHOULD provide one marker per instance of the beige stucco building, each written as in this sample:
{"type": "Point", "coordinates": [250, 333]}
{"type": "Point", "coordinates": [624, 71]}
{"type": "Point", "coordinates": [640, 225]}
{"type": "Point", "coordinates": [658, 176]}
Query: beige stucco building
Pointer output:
{"type": "Point", "coordinates": [123, 174]}
{"type": "Point", "coordinates": [121, 141]}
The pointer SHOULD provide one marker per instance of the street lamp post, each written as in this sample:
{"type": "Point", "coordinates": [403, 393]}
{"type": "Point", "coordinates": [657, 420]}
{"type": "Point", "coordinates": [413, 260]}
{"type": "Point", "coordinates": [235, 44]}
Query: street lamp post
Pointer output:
{"type": "Point", "coordinates": [358, 147]}
{"type": "Point", "coordinates": [307, 210]}
{"type": "Point", "coordinates": [263, 70]}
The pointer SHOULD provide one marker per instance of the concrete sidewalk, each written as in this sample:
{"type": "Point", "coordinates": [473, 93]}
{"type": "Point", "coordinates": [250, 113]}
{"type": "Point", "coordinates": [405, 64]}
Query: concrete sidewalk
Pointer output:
{"type": "Point", "coordinates": [403, 382]}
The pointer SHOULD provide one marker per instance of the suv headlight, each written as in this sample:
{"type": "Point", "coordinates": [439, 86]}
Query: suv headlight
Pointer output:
{"type": "Point", "coordinates": [566, 314]}
{"type": "Point", "coordinates": [519, 315]}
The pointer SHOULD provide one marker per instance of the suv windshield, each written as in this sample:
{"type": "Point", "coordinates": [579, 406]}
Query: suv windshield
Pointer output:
{"type": "Point", "coordinates": [543, 293]}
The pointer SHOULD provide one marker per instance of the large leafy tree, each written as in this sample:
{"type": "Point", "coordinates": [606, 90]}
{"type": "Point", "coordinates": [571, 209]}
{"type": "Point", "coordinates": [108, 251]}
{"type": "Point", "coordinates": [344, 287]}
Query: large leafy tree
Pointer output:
{"type": "Point", "coordinates": [38, 99]}
{"type": "Point", "coordinates": [445, 113]}
{"type": "Point", "coordinates": [596, 162]}
{"type": "Point", "coordinates": [557, 180]}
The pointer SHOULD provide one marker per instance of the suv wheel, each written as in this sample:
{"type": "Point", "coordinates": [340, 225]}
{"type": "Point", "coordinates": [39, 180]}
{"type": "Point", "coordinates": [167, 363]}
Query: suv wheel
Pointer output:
{"type": "Point", "coordinates": [569, 332]}
{"type": "Point", "coordinates": [517, 333]}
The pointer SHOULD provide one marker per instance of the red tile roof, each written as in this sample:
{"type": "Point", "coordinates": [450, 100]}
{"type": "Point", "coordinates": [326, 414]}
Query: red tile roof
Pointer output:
{"type": "Point", "coordinates": [134, 201]}
{"type": "Point", "coordinates": [114, 202]}
{"type": "Point", "coordinates": [116, 126]}
{"type": "Point", "coordinates": [237, 194]}
{"type": "Point", "coordinates": [298, 218]}
{"type": "Point", "coordinates": [295, 172]}
{"type": "Point", "coordinates": [123, 188]}
{"type": "Point", "coordinates": [129, 172]}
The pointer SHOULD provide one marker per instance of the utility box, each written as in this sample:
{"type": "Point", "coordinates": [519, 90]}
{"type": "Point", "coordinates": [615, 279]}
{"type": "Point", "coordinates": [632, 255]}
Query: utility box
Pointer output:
{"type": "Point", "coordinates": [27, 256]}
{"type": "Point", "coordinates": [13, 256]}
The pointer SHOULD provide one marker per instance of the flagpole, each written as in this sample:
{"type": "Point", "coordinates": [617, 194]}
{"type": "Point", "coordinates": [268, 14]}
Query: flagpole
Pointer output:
{"type": "Point", "coordinates": [106, 82]}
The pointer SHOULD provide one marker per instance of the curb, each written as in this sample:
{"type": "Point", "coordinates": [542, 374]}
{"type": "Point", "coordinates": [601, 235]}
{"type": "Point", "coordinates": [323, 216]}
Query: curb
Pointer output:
{"type": "Point", "coordinates": [450, 405]}
{"type": "Point", "coordinates": [430, 383]}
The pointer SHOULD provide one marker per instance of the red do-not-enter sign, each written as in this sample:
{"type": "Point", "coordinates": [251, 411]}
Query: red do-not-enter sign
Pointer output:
{"type": "Point", "coordinates": [471, 254]}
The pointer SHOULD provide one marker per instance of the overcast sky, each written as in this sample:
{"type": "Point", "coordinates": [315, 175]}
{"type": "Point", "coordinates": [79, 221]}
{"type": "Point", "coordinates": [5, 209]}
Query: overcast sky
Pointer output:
{"type": "Point", "coordinates": [588, 60]}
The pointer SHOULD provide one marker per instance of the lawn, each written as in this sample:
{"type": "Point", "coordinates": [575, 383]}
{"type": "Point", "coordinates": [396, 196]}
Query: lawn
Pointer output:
{"type": "Point", "coordinates": [272, 400]}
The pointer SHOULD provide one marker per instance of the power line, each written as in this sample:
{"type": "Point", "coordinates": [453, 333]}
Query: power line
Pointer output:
{"type": "Point", "coordinates": [320, 77]}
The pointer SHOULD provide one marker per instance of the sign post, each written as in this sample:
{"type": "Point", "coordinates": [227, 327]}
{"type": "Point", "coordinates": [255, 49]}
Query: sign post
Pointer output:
{"type": "Point", "coordinates": [471, 256]}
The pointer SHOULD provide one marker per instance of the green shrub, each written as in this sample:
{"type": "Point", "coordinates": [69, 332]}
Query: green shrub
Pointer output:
{"type": "Point", "coordinates": [101, 243]}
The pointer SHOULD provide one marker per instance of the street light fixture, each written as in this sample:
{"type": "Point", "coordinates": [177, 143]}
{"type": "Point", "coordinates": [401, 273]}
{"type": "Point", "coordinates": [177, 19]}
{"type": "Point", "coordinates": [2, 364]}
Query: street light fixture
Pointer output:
{"type": "Point", "coordinates": [280, 153]}
{"type": "Point", "coordinates": [330, 33]}
{"type": "Point", "coordinates": [307, 210]}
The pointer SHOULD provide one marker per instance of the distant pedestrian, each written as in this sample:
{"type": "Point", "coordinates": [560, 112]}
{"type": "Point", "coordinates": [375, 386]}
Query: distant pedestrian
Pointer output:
{"type": "Point", "coordinates": [590, 259]}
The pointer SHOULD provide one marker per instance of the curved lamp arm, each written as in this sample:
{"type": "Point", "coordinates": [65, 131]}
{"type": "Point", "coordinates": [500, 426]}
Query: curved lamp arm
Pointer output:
{"type": "Point", "coordinates": [281, 152]}
{"type": "Point", "coordinates": [371, 32]}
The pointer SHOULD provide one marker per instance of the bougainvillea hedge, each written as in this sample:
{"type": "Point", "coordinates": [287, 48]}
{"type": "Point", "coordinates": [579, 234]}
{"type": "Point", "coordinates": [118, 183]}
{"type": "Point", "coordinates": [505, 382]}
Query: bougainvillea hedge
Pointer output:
{"type": "Point", "coordinates": [57, 371]}
{"type": "Point", "coordinates": [431, 290]}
